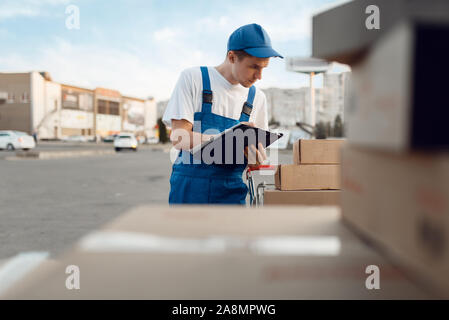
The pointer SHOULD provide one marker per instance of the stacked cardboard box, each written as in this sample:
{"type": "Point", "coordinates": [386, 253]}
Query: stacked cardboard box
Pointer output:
{"type": "Point", "coordinates": [395, 167]}
{"type": "Point", "coordinates": [302, 197]}
{"type": "Point", "coordinates": [313, 179]}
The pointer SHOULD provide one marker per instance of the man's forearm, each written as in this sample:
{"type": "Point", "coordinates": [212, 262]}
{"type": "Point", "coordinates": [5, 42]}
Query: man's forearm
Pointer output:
{"type": "Point", "coordinates": [186, 140]}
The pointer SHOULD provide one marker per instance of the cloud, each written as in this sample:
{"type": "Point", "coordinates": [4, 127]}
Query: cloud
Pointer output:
{"type": "Point", "coordinates": [213, 24]}
{"type": "Point", "coordinates": [89, 65]}
{"type": "Point", "coordinates": [109, 67]}
{"type": "Point", "coordinates": [27, 8]}
{"type": "Point", "coordinates": [167, 34]}
{"type": "Point", "coordinates": [149, 62]}
{"type": "Point", "coordinates": [4, 33]}
{"type": "Point", "coordinates": [15, 10]}
{"type": "Point", "coordinates": [286, 20]}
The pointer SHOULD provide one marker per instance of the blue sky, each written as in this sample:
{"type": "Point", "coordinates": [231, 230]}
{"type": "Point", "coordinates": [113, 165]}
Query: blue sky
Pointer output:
{"type": "Point", "coordinates": [139, 47]}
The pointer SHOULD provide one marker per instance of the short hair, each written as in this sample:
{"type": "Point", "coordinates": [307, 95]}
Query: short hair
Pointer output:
{"type": "Point", "coordinates": [241, 54]}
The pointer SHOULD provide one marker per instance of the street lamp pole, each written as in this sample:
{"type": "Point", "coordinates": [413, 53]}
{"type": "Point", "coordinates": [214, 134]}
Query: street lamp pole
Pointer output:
{"type": "Point", "coordinates": [310, 66]}
{"type": "Point", "coordinates": [312, 101]}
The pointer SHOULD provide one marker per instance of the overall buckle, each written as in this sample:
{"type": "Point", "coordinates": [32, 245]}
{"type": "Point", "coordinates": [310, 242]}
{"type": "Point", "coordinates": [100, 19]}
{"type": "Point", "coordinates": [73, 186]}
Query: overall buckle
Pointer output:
{"type": "Point", "coordinates": [247, 108]}
{"type": "Point", "coordinates": [207, 96]}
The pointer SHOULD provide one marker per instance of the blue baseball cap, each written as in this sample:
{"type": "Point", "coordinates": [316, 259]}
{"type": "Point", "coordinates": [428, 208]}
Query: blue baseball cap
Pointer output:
{"type": "Point", "coordinates": [254, 40]}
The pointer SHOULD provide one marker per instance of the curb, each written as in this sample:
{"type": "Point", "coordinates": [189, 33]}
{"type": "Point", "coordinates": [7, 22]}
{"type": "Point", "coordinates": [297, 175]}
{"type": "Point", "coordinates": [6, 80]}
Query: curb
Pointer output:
{"type": "Point", "coordinates": [44, 155]}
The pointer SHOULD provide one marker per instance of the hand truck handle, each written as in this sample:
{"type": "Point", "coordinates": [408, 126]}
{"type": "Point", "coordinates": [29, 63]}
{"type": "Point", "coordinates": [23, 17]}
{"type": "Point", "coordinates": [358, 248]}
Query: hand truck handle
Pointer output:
{"type": "Point", "coordinates": [262, 167]}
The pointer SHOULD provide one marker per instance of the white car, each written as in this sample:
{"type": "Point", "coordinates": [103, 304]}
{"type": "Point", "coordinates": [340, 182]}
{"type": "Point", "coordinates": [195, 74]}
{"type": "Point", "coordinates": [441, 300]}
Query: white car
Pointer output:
{"type": "Point", "coordinates": [12, 140]}
{"type": "Point", "coordinates": [125, 141]}
{"type": "Point", "coordinates": [152, 140]}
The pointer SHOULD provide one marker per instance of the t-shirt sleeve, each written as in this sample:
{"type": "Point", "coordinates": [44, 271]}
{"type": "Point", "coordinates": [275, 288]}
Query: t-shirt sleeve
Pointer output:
{"type": "Point", "coordinates": [261, 115]}
{"type": "Point", "coordinates": [180, 106]}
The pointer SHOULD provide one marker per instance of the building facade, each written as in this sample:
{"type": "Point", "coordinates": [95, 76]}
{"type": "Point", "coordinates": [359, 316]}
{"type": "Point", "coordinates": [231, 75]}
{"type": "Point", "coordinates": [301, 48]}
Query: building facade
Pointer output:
{"type": "Point", "coordinates": [291, 106]}
{"type": "Point", "coordinates": [335, 86]}
{"type": "Point", "coordinates": [32, 102]}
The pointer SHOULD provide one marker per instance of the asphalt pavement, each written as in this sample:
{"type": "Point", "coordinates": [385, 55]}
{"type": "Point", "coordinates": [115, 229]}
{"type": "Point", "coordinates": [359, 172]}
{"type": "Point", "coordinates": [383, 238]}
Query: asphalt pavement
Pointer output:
{"type": "Point", "coordinates": [47, 205]}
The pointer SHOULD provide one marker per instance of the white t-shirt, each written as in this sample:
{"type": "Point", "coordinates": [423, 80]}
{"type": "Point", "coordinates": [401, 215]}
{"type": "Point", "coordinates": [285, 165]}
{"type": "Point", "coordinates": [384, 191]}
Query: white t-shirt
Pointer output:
{"type": "Point", "coordinates": [227, 99]}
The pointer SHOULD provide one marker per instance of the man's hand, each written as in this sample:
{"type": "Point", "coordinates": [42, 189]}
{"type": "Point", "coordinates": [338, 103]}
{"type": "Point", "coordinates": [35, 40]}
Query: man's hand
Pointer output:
{"type": "Point", "coordinates": [251, 124]}
{"type": "Point", "coordinates": [255, 157]}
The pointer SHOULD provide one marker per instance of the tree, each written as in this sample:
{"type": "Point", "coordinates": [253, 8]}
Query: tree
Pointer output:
{"type": "Point", "coordinates": [338, 127]}
{"type": "Point", "coordinates": [320, 130]}
{"type": "Point", "coordinates": [163, 138]}
{"type": "Point", "coordinates": [273, 122]}
{"type": "Point", "coordinates": [329, 132]}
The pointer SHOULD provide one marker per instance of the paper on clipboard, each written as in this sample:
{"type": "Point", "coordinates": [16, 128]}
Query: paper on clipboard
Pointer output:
{"type": "Point", "coordinates": [226, 147]}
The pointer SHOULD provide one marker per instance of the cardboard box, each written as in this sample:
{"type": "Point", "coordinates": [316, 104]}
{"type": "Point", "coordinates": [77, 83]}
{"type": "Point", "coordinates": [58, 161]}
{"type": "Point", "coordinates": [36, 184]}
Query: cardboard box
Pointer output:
{"type": "Point", "coordinates": [317, 151]}
{"type": "Point", "coordinates": [398, 100]}
{"type": "Point", "coordinates": [304, 197]}
{"type": "Point", "coordinates": [340, 34]}
{"type": "Point", "coordinates": [190, 252]}
{"type": "Point", "coordinates": [307, 177]}
{"type": "Point", "coordinates": [402, 204]}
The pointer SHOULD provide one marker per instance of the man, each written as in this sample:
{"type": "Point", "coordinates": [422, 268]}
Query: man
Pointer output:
{"type": "Point", "coordinates": [217, 98]}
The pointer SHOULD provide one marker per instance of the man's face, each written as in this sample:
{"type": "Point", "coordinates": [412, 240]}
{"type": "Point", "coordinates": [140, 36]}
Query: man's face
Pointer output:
{"type": "Point", "coordinates": [247, 70]}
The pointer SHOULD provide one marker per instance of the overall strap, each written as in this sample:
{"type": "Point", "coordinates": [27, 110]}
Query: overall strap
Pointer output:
{"type": "Point", "coordinates": [207, 92]}
{"type": "Point", "coordinates": [248, 105]}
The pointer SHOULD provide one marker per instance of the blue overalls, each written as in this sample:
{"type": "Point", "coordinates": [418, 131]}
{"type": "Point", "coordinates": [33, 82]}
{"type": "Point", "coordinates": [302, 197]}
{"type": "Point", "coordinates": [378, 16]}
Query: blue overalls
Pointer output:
{"type": "Point", "coordinates": [200, 183]}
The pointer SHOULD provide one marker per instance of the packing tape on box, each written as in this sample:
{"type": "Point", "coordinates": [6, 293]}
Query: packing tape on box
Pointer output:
{"type": "Point", "coordinates": [107, 241]}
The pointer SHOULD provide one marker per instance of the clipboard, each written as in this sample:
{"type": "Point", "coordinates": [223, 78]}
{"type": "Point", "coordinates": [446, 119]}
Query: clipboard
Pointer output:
{"type": "Point", "coordinates": [239, 137]}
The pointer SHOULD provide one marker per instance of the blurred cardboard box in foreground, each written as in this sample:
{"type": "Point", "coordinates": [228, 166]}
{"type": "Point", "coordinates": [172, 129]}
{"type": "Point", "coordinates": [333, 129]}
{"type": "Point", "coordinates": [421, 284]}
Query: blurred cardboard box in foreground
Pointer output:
{"type": "Point", "coordinates": [341, 34]}
{"type": "Point", "coordinates": [395, 179]}
{"type": "Point", "coordinates": [402, 203]}
{"type": "Point", "coordinates": [399, 94]}
{"type": "Point", "coordinates": [190, 252]}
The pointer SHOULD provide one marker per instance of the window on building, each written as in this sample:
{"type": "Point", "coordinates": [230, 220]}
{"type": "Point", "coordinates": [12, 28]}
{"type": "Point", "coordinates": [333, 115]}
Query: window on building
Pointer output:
{"type": "Point", "coordinates": [11, 97]}
{"type": "Point", "coordinates": [69, 99]}
{"type": "Point", "coordinates": [108, 107]}
{"type": "Point", "coordinates": [3, 97]}
{"type": "Point", "coordinates": [102, 106]}
{"type": "Point", "coordinates": [86, 101]}
{"type": "Point", "coordinates": [114, 108]}
{"type": "Point", "coordinates": [25, 98]}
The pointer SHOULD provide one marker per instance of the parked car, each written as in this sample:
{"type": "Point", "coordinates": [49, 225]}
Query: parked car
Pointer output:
{"type": "Point", "coordinates": [110, 138]}
{"type": "Point", "coordinates": [152, 140]}
{"type": "Point", "coordinates": [75, 138]}
{"type": "Point", "coordinates": [12, 140]}
{"type": "Point", "coordinates": [125, 141]}
{"type": "Point", "coordinates": [141, 139]}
